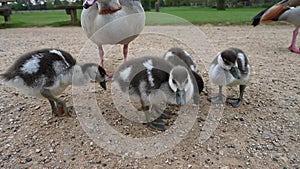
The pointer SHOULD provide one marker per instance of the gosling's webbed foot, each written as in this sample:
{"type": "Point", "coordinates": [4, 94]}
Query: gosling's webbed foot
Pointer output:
{"type": "Point", "coordinates": [234, 102]}
{"type": "Point", "coordinates": [157, 124]}
{"type": "Point", "coordinates": [61, 110]}
{"type": "Point", "coordinates": [61, 107]}
{"type": "Point", "coordinates": [219, 99]}
{"type": "Point", "coordinates": [163, 114]}
{"type": "Point", "coordinates": [54, 111]}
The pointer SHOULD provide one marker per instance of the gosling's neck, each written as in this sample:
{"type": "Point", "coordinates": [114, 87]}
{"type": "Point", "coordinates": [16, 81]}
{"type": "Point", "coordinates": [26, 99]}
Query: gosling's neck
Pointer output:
{"type": "Point", "coordinates": [83, 74]}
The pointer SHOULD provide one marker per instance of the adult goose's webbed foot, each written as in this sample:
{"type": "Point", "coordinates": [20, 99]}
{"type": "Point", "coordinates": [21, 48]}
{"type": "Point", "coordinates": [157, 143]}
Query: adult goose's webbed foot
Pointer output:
{"type": "Point", "coordinates": [294, 49]}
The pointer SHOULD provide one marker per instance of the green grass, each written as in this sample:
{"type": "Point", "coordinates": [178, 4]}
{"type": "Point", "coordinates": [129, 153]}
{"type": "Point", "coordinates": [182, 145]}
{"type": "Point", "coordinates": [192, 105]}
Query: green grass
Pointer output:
{"type": "Point", "coordinates": [39, 18]}
{"type": "Point", "coordinates": [171, 15]}
{"type": "Point", "coordinates": [201, 16]}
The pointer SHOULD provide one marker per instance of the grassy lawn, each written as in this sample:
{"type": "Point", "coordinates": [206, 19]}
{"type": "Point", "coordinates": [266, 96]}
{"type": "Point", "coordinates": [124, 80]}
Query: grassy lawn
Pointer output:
{"type": "Point", "coordinates": [213, 16]}
{"type": "Point", "coordinates": [171, 15]}
{"type": "Point", "coordinates": [38, 18]}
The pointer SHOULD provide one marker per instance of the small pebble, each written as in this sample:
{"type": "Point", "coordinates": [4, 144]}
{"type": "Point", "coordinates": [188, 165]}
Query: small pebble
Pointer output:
{"type": "Point", "coordinates": [274, 159]}
{"type": "Point", "coordinates": [37, 107]}
{"type": "Point", "coordinates": [225, 167]}
{"type": "Point", "coordinates": [28, 159]}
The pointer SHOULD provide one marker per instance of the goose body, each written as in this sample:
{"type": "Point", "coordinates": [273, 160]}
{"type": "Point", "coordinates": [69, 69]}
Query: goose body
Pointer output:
{"type": "Point", "coordinates": [112, 22]}
{"type": "Point", "coordinates": [230, 68]}
{"type": "Point", "coordinates": [144, 76]}
{"type": "Point", "coordinates": [285, 10]}
{"type": "Point", "coordinates": [179, 56]}
{"type": "Point", "coordinates": [47, 72]}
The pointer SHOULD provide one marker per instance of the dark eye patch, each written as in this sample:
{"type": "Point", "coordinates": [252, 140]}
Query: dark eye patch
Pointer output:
{"type": "Point", "coordinates": [229, 57]}
{"type": "Point", "coordinates": [174, 81]}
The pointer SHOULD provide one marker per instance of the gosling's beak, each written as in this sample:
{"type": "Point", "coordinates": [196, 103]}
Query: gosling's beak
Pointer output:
{"type": "Point", "coordinates": [88, 3]}
{"type": "Point", "coordinates": [103, 85]}
{"type": "Point", "coordinates": [180, 97]}
{"type": "Point", "coordinates": [235, 72]}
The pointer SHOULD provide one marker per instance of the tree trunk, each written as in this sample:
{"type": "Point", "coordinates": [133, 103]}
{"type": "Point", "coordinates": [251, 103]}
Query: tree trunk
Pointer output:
{"type": "Point", "coordinates": [220, 4]}
{"type": "Point", "coordinates": [157, 6]}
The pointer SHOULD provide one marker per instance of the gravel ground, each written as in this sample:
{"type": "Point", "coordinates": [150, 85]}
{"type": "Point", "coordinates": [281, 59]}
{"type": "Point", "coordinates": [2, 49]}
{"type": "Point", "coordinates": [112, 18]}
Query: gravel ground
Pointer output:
{"type": "Point", "coordinates": [261, 133]}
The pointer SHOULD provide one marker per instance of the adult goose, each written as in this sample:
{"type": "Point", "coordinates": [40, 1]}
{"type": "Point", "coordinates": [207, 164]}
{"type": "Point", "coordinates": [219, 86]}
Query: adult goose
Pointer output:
{"type": "Point", "coordinates": [112, 22]}
{"type": "Point", "coordinates": [285, 10]}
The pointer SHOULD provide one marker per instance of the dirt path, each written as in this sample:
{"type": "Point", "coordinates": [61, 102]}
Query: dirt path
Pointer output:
{"type": "Point", "coordinates": [262, 133]}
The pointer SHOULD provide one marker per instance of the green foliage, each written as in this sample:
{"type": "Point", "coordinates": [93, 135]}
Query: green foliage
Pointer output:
{"type": "Point", "coordinates": [146, 4]}
{"type": "Point", "coordinates": [220, 4]}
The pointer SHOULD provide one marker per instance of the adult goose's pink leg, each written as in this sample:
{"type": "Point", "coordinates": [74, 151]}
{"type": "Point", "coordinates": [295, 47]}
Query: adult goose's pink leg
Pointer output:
{"type": "Point", "coordinates": [294, 39]}
{"type": "Point", "coordinates": [101, 54]}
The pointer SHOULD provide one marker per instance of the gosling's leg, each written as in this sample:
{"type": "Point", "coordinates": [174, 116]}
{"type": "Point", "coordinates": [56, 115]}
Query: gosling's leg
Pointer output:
{"type": "Point", "coordinates": [219, 99]}
{"type": "Point", "coordinates": [60, 104]}
{"type": "Point", "coordinates": [157, 124]}
{"type": "Point", "coordinates": [237, 102]}
{"type": "Point", "coordinates": [53, 108]}
{"type": "Point", "coordinates": [161, 112]}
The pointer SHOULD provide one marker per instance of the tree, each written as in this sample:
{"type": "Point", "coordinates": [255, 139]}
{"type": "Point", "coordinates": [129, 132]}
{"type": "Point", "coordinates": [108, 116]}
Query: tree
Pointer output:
{"type": "Point", "coordinates": [220, 4]}
{"type": "Point", "coordinates": [146, 4]}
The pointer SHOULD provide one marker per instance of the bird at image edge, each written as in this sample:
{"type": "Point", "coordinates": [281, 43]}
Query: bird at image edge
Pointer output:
{"type": "Point", "coordinates": [285, 10]}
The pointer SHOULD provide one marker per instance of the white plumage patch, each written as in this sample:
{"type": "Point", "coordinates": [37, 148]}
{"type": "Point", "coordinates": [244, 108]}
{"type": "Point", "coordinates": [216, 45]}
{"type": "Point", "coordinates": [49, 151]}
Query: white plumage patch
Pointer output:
{"type": "Point", "coordinates": [193, 68]}
{"type": "Point", "coordinates": [187, 54]}
{"type": "Point", "coordinates": [32, 65]}
{"type": "Point", "coordinates": [149, 66]}
{"type": "Point", "coordinates": [168, 55]}
{"type": "Point", "coordinates": [124, 74]}
{"type": "Point", "coordinates": [60, 54]}
{"type": "Point", "coordinates": [58, 67]}
{"type": "Point", "coordinates": [242, 59]}
{"type": "Point", "coordinates": [171, 84]}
